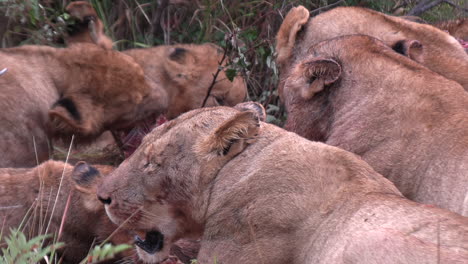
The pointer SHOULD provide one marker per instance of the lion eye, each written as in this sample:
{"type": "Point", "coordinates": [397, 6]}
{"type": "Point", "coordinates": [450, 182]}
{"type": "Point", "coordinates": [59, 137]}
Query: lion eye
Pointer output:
{"type": "Point", "coordinates": [312, 79]}
{"type": "Point", "coordinates": [152, 165]}
{"type": "Point", "coordinates": [219, 100]}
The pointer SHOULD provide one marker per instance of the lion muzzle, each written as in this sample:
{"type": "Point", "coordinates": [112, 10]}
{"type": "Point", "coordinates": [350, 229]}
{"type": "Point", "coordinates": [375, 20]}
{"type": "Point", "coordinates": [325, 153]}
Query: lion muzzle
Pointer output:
{"type": "Point", "coordinates": [153, 242]}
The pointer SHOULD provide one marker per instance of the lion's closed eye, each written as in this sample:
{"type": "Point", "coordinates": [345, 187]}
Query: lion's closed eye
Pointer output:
{"type": "Point", "coordinates": [150, 166]}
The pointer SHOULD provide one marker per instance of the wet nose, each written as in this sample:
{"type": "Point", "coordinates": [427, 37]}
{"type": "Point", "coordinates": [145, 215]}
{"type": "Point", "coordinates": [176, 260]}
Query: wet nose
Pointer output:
{"type": "Point", "coordinates": [104, 194]}
{"type": "Point", "coordinates": [105, 199]}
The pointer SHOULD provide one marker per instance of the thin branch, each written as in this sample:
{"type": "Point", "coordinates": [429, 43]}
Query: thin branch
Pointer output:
{"type": "Point", "coordinates": [456, 6]}
{"type": "Point", "coordinates": [325, 8]}
{"type": "Point", "coordinates": [156, 22]}
{"type": "Point", "coordinates": [423, 6]}
{"type": "Point", "coordinates": [215, 76]}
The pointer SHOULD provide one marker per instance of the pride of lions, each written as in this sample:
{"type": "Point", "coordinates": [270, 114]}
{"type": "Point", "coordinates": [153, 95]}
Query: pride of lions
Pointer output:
{"type": "Point", "coordinates": [373, 167]}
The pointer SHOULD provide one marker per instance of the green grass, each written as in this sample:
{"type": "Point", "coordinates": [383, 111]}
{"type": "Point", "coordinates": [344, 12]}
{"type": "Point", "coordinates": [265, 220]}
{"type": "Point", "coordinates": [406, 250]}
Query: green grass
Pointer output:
{"type": "Point", "coordinates": [20, 249]}
{"type": "Point", "coordinates": [36, 244]}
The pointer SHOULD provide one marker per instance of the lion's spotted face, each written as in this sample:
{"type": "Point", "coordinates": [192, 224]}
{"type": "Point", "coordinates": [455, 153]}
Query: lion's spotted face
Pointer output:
{"type": "Point", "coordinates": [153, 191]}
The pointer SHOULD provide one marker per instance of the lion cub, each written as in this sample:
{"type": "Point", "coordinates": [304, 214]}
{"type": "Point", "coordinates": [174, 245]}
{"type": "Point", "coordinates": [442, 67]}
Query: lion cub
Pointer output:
{"type": "Point", "coordinates": [259, 194]}
{"type": "Point", "coordinates": [84, 91]}
{"type": "Point", "coordinates": [29, 195]}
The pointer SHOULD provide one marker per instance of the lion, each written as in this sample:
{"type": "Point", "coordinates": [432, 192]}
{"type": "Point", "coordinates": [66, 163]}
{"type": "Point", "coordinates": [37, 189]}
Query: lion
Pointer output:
{"type": "Point", "coordinates": [186, 72]}
{"type": "Point", "coordinates": [84, 91]}
{"type": "Point", "coordinates": [87, 26]}
{"type": "Point", "coordinates": [457, 28]}
{"type": "Point", "coordinates": [28, 196]}
{"type": "Point", "coordinates": [433, 48]}
{"type": "Point", "coordinates": [259, 194]}
{"type": "Point", "coordinates": [410, 126]}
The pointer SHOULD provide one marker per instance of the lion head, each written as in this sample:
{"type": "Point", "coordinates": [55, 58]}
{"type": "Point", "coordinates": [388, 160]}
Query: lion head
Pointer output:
{"type": "Point", "coordinates": [84, 91]}
{"type": "Point", "coordinates": [102, 90]}
{"type": "Point", "coordinates": [34, 190]}
{"type": "Point", "coordinates": [192, 75]}
{"type": "Point", "coordinates": [138, 192]}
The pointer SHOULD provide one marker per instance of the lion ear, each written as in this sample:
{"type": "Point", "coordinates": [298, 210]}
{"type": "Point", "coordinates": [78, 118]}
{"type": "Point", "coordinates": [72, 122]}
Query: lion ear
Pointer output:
{"type": "Point", "coordinates": [85, 177]}
{"type": "Point", "coordinates": [180, 65]}
{"type": "Point", "coordinates": [232, 136]}
{"type": "Point", "coordinates": [311, 76]}
{"type": "Point", "coordinates": [75, 116]}
{"type": "Point", "coordinates": [296, 18]}
{"type": "Point", "coordinates": [254, 107]}
{"type": "Point", "coordinates": [413, 49]}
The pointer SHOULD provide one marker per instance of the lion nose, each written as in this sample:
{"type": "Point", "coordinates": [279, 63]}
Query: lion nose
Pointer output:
{"type": "Point", "coordinates": [105, 200]}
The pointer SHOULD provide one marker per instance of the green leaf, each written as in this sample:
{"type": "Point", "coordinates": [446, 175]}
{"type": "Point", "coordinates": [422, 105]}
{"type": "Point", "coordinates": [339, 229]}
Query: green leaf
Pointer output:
{"type": "Point", "coordinates": [230, 74]}
{"type": "Point", "coordinates": [106, 252]}
{"type": "Point", "coordinates": [21, 250]}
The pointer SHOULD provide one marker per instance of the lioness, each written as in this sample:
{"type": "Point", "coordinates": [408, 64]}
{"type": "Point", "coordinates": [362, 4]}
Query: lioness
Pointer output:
{"type": "Point", "coordinates": [425, 44]}
{"type": "Point", "coordinates": [457, 28]}
{"type": "Point", "coordinates": [411, 125]}
{"type": "Point", "coordinates": [260, 194]}
{"type": "Point", "coordinates": [28, 196]}
{"type": "Point", "coordinates": [54, 93]}
{"type": "Point", "coordinates": [88, 27]}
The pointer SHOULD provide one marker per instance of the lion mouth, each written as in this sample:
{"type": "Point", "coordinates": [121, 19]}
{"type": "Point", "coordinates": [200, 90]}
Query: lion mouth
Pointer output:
{"type": "Point", "coordinates": [153, 242]}
{"type": "Point", "coordinates": [463, 43]}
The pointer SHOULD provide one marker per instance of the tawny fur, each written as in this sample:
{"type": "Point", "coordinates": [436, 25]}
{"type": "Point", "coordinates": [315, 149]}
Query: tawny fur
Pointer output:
{"type": "Point", "coordinates": [457, 28]}
{"type": "Point", "coordinates": [411, 125]}
{"type": "Point", "coordinates": [55, 93]}
{"type": "Point", "coordinates": [186, 72]}
{"type": "Point", "coordinates": [279, 199]}
{"type": "Point", "coordinates": [442, 52]}
{"type": "Point", "coordinates": [88, 27]}
{"type": "Point", "coordinates": [28, 195]}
